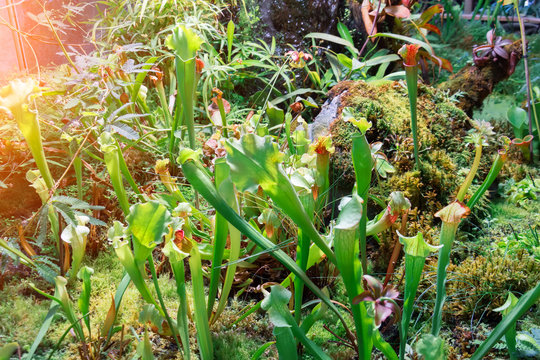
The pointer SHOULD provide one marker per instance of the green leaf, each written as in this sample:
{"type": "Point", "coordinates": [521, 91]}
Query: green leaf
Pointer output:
{"type": "Point", "coordinates": [200, 182]}
{"type": "Point", "coordinates": [293, 94]}
{"type": "Point", "coordinates": [362, 124]}
{"type": "Point", "coordinates": [84, 299]}
{"type": "Point", "coordinates": [416, 251]}
{"type": "Point", "coordinates": [148, 223]}
{"type": "Point", "coordinates": [230, 38]}
{"type": "Point", "coordinates": [334, 39]}
{"type": "Point", "coordinates": [149, 314]}
{"type": "Point", "coordinates": [109, 147]}
{"type": "Point", "coordinates": [276, 304]}
{"type": "Point", "coordinates": [123, 251]}
{"type": "Point", "coordinates": [510, 335]}
{"type": "Point", "coordinates": [144, 348]}
{"type": "Point", "coordinates": [519, 120]}
{"type": "Point", "coordinates": [221, 231]}
{"type": "Point", "coordinates": [184, 42]}
{"type": "Point", "coordinates": [377, 61]}
{"type": "Point", "coordinates": [523, 305]}
{"type": "Point", "coordinates": [350, 216]}
{"type": "Point", "coordinates": [204, 338]}
{"type": "Point", "coordinates": [510, 303]}
{"type": "Point", "coordinates": [140, 78]}
{"type": "Point", "coordinates": [347, 250]}
{"type": "Point", "coordinates": [275, 115]}
{"type": "Point", "coordinates": [53, 308]}
{"type": "Point", "coordinates": [345, 61]}
{"type": "Point", "coordinates": [256, 161]}
{"type": "Point", "coordinates": [346, 34]}
{"type": "Point", "coordinates": [417, 246]}
{"type": "Point", "coordinates": [260, 351]}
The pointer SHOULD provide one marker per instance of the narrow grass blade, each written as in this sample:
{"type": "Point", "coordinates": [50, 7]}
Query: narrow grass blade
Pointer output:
{"type": "Point", "coordinates": [525, 302]}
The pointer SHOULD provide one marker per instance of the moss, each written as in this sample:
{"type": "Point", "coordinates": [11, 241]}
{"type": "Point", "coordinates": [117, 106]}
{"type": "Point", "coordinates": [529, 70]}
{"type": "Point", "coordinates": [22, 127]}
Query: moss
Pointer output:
{"type": "Point", "coordinates": [18, 324]}
{"type": "Point", "coordinates": [507, 218]}
{"type": "Point", "coordinates": [481, 283]}
{"type": "Point", "coordinates": [442, 128]}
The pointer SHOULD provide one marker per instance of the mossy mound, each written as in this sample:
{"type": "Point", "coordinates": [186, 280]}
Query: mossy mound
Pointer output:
{"type": "Point", "coordinates": [441, 130]}
{"type": "Point", "coordinates": [483, 282]}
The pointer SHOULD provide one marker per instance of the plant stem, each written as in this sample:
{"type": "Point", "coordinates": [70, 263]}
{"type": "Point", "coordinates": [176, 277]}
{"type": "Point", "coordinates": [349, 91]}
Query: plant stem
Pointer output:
{"type": "Point", "coordinates": [527, 75]}
{"type": "Point", "coordinates": [182, 315]}
{"type": "Point", "coordinates": [411, 75]}
{"type": "Point", "coordinates": [302, 256]}
{"type": "Point", "coordinates": [474, 168]}
{"type": "Point", "coordinates": [491, 176]}
{"type": "Point", "coordinates": [414, 266]}
{"type": "Point", "coordinates": [363, 163]}
{"type": "Point", "coordinates": [160, 298]}
{"type": "Point", "coordinates": [397, 249]}
{"type": "Point", "coordinates": [221, 231]}
{"type": "Point", "coordinates": [448, 234]}
{"type": "Point", "coordinates": [199, 304]}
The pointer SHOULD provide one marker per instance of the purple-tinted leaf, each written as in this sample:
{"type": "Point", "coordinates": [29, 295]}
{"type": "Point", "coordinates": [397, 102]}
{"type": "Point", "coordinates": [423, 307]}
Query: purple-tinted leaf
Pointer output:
{"type": "Point", "coordinates": [504, 42]}
{"type": "Point", "coordinates": [381, 313]}
{"type": "Point", "coordinates": [398, 11]}
{"type": "Point", "coordinates": [490, 36]}
{"type": "Point", "coordinates": [373, 285]}
{"type": "Point", "coordinates": [365, 296]}
{"type": "Point", "coordinates": [390, 292]}
{"type": "Point", "coordinates": [500, 52]}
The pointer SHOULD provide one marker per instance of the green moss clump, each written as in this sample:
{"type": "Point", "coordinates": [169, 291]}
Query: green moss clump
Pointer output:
{"type": "Point", "coordinates": [441, 129]}
{"type": "Point", "coordinates": [18, 324]}
{"type": "Point", "coordinates": [481, 283]}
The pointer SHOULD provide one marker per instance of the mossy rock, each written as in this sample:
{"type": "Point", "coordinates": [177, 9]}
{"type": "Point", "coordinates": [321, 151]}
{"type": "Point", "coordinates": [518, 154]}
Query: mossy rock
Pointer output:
{"type": "Point", "coordinates": [441, 129]}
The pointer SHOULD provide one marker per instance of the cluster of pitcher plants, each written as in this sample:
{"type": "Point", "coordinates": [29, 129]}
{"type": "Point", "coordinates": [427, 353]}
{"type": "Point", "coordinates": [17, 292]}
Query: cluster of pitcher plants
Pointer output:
{"type": "Point", "coordinates": [268, 186]}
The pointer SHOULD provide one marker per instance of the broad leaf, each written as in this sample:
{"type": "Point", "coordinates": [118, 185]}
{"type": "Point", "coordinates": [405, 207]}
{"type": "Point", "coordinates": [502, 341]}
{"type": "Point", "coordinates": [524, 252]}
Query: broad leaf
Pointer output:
{"type": "Point", "coordinates": [276, 304]}
{"type": "Point", "coordinates": [256, 161]}
{"type": "Point", "coordinates": [148, 223]}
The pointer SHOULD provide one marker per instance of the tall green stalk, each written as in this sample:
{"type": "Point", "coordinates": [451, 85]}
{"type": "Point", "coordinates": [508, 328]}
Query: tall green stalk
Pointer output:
{"type": "Point", "coordinates": [530, 104]}
{"type": "Point", "coordinates": [472, 172]}
{"type": "Point", "coordinates": [200, 181]}
{"type": "Point", "coordinates": [15, 99]}
{"type": "Point", "coordinates": [185, 44]}
{"type": "Point", "coordinates": [409, 54]}
{"type": "Point", "coordinates": [363, 164]}
{"type": "Point", "coordinates": [451, 217]}
{"type": "Point", "coordinates": [511, 333]}
{"type": "Point", "coordinates": [491, 176]}
{"type": "Point", "coordinates": [110, 150]}
{"type": "Point", "coordinates": [199, 304]}
{"type": "Point", "coordinates": [416, 252]}
{"type": "Point", "coordinates": [347, 251]}
{"type": "Point", "coordinates": [221, 231]}
{"type": "Point", "coordinates": [302, 255]}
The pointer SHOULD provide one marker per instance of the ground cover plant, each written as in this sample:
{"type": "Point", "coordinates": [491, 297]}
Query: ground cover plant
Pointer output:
{"type": "Point", "coordinates": [196, 189]}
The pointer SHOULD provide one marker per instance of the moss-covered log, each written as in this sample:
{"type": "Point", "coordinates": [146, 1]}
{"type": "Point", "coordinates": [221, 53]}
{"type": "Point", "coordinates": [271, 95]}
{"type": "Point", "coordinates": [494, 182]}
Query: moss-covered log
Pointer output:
{"type": "Point", "coordinates": [477, 81]}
